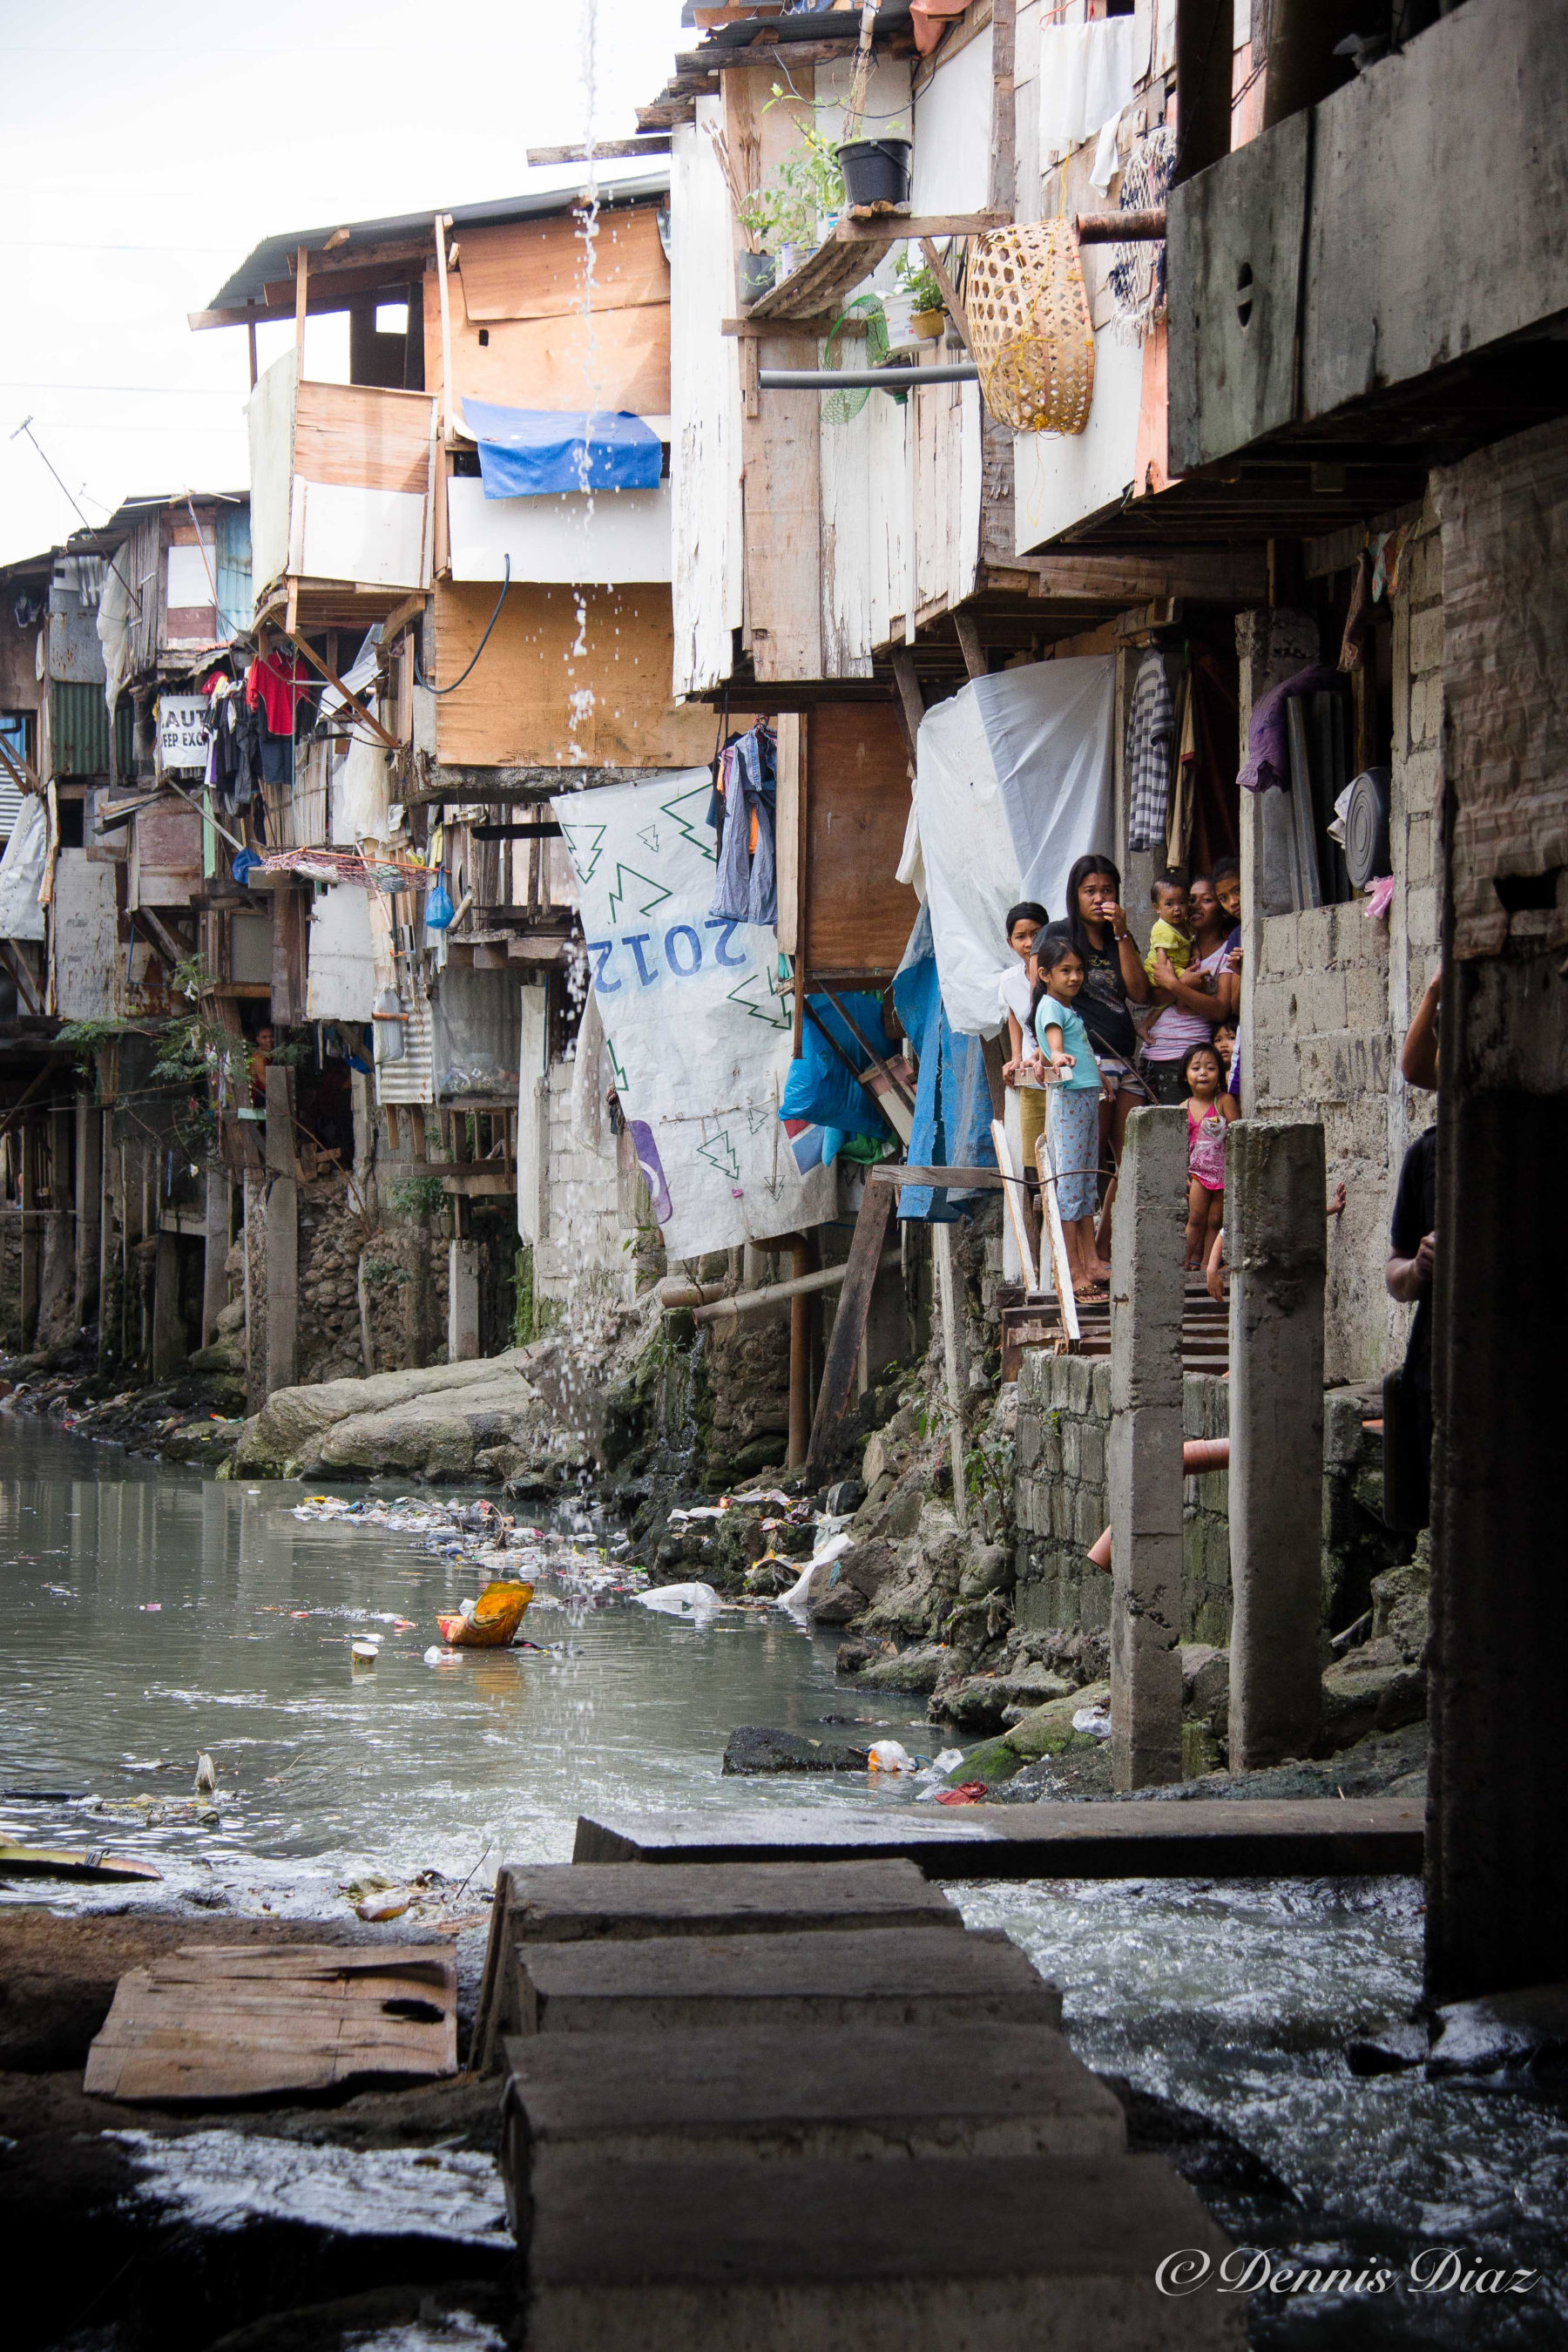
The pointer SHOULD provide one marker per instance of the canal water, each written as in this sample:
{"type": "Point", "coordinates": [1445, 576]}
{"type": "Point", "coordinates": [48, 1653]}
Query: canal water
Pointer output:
{"type": "Point", "coordinates": [147, 1614]}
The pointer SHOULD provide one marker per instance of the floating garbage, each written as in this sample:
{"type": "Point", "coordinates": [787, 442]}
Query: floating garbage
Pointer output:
{"type": "Point", "coordinates": [1096, 1720]}
{"type": "Point", "coordinates": [207, 1774]}
{"type": "Point", "coordinates": [889, 1756]}
{"type": "Point", "coordinates": [385, 1906]}
{"type": "Point", "coordinates": [682, 1600]}
{"type": "Point", "coordinates": [364, 1654]}
{"type": "Point", "coordinates": [488, 1623]}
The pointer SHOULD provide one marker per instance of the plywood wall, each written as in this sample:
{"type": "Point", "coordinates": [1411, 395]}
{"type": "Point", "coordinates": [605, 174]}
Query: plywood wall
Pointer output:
{"type": "Point", "coordinates": [362, 438]}
{"type": "Point", "coordinates": [617, 359]}
{"type": "Point", "coordinates": [549, 269]}
{"type": "Point", "coordinates": [858, 917]}
{"type": "Point", "coordinates": [534, 701]}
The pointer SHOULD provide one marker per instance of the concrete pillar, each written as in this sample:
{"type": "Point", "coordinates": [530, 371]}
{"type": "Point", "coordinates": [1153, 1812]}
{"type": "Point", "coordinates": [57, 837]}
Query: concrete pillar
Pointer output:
{"type": "Point", "coordinates": [1145, 1455]}
{"type": "Point", "coordinates": [282, 1235]}
{"type": "Point", "coordinates": [1270, 647]}
{"type": "Point", "coordinates": [462, 1301]}
{"type": "Point", "coordinates": [88, 1209]}
{"type": "Point", "coordinates": [1276, 1240]}
{"type": "Point", "coordinates": [215, 1270]}
{"type": "Point", "coordinates": [169, 1343]}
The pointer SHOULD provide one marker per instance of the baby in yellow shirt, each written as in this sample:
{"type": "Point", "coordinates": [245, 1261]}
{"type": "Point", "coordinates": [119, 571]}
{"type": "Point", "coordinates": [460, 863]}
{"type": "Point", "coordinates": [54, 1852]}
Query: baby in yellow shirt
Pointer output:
{"type": "Point", "coordinates": [1169, 930]}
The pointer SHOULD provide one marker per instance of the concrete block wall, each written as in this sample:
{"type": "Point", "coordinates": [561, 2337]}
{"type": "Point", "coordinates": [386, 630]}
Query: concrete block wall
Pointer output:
{"type": "Point", "coordinates": [1332, 993]}
{"type": "Point", "coordinates": [1061, 1502]}
{"type": "Point", "coordinates": [581, 1241]}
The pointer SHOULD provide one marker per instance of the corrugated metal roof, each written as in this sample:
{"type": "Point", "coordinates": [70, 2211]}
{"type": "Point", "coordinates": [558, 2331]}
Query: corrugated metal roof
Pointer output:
{"type": "Point", "coordinates": [270, 260]}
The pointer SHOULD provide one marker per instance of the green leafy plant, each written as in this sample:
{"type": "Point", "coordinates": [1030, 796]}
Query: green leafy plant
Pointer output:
{"type": "Point", "coordinates": [87, 1039]}
{"type": "Point", "coordinates": [419, 1197]}
{"type": "Point", "coordinates": [918, 280]}
{"type": "Point", "coordinates": [806, 189]}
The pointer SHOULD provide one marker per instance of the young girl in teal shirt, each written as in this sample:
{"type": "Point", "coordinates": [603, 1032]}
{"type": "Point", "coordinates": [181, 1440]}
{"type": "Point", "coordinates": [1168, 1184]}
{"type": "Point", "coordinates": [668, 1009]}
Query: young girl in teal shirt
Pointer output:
{"type": "Point", "coordinates": [1068, 1067]}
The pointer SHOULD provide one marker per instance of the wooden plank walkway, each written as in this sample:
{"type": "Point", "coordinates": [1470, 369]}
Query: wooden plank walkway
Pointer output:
{"type": "Point", "coordinates": [1208, 1837]}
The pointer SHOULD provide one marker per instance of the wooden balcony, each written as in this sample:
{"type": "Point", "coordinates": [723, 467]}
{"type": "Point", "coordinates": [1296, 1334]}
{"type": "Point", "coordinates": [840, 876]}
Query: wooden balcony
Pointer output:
{"type": "Point", "coordinates": [343, 499]}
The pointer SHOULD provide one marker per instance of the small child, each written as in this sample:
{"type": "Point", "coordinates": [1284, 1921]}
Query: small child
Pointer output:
{"type": "Point", "coordinates": [1067, 1064]}
{"type": "Point", "coordinates": [1225, 1045]}
{"type": "Point", "coordinates": [1168, 933]}
{"type": "Point", "coordinates": [1014, 996]}
{"type": "Point", "coordinates": [1209, 1110]}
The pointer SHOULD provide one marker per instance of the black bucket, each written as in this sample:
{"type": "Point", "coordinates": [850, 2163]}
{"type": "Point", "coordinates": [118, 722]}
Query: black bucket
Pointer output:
{"type": "Point", "coordinates": [756, 276]}
{"type": "Point", "coordinates": [875, 171]}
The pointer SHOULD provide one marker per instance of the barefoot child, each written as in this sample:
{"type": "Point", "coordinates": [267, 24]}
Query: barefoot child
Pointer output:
{"type": "Point", "coordinates": [1067, 1064]}
{"type": "Point", "coordinates": [1014, 990]}
{"type": "Point", "coordinates": [1209, 1110]}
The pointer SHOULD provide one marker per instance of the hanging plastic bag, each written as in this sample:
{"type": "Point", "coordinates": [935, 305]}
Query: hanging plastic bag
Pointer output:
{"type": "Point", "coordinates": [438, 909]}
{"type": "Point", "coordinates": [388, 1022]}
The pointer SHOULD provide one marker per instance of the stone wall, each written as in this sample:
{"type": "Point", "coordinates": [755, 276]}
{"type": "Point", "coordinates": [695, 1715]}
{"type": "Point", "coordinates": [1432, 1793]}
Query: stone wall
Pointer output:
{"type": "Point", "coordinates": [1061, 1503]}
{"type": "Point", "coordinates": [1331, 992]}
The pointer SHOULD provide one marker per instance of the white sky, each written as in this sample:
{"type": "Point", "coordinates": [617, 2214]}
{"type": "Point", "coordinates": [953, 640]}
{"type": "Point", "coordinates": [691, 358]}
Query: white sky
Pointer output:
{"type": "Point", "coordinates": [149, 146]}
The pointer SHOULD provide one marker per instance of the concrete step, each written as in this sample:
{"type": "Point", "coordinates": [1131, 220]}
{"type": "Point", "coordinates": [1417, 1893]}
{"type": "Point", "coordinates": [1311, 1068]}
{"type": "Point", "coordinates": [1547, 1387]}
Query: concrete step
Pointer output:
{"type": "Point", "coordinates": [557, 1903]}
{"type": "Point", "coordinates": [1303, 1837]}
{"type": "Point", "coordinates": [764, 2094]}
{"type": "Point", "coordinates": [685, 2256]}
{"type": "Point", "coordinates": [562, 1903]}
{"type": "Point", "coordinates": [876, 1976]}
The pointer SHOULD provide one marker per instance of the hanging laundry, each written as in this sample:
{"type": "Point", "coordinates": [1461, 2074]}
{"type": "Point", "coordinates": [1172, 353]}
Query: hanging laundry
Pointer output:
{"type": "Point", "coordinates": [277, 685]}
{"type": "Point", "coordinates": [1268, 766]}
{"type": "Point", "coordinates": [745, 884]}
{"type": "Point", "coordinates": [1138, 271]}
{"type": "Point", "coordinates": [1151, 729]}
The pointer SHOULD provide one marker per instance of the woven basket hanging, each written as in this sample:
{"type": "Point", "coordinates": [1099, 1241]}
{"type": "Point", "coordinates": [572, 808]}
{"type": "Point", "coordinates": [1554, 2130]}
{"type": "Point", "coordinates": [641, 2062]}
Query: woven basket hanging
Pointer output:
{"type": "Point", "coordinates": [1029, 327]}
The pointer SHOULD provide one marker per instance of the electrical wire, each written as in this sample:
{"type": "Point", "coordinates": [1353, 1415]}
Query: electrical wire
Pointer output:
{"type": "Point", "coordinates": [421, 680]}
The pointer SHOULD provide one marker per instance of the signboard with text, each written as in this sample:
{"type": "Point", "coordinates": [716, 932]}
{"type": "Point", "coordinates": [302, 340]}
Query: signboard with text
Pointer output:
{"type": "Point", "coordinates": [183, 734]}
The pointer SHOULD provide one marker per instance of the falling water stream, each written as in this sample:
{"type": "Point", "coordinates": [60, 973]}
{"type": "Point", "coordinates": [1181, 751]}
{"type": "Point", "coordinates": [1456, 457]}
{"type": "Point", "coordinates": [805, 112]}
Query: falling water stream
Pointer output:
{"type": "Point", "coordinates": [1232, 1999]}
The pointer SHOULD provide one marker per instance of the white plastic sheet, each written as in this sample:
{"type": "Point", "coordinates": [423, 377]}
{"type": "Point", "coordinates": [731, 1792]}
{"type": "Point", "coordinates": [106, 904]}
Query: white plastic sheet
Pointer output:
{"type": "Point", "coordinates": [696, 1037]}
{"type": "Point", "coordinates": [1013, 783]}
{"type": "Point", "coordinates": [21, 870]}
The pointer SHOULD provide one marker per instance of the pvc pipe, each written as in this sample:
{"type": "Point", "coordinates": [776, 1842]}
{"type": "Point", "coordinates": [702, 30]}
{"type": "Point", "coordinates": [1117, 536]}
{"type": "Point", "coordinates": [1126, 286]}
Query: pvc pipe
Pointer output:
{"type": "Point", "coordinates": [756, 1302]}
{"type": "Point", "coordinates": [1198, 1456]}
{"type": "Point", "coordinates": [678, 1290]}
{"type": "Point", "coordinates": [886, 379]}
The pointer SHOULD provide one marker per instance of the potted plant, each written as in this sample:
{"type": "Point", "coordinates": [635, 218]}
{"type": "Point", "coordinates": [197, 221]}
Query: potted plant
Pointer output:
{"type": "Point", "coordinates": [757, 213]}
{"type": "Point", "coordinates": [923, 289]}
{"type": "Point", "coordinates": [876, 173]}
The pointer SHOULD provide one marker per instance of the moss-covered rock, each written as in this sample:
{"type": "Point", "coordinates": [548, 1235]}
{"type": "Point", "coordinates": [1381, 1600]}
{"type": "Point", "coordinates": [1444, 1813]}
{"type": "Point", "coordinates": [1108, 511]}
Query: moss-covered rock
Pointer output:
{"type": "Point", "coordinates": [1049, 1730]}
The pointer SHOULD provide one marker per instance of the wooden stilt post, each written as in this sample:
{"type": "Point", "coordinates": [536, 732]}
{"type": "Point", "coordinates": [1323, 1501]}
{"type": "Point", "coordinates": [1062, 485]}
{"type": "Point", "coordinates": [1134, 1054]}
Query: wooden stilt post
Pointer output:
{"type": "Point", "coordinates": [849, 1323]}
{"type": "Point", "coordinates": [31, 1237]}
{"type": "Point", "coordinates": [215, 1271]}
{"type": "Point", "coordinates": [947, 1302]}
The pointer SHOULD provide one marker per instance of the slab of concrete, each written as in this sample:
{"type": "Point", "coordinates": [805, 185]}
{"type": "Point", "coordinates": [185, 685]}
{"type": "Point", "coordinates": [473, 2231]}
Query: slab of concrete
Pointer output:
{"type": "Point", "coordinates": [876, 1976]}
{"type": "Point", "coordinates": [554, 1903]}
{"type": "Point", "coordinates": [558, 1903]}
{"type": "Point", "coordinates": [762, 2094]}
{"type": "Point", "coordinates": [1300, 1837]}
{"type": "Point", "coordinates": [1051, 2250]}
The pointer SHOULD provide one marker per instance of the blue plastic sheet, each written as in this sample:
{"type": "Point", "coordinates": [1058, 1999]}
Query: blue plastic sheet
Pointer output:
{"type": "Point", "coordinates": [820, 1089]}
{"type": "Point", "coordinates": [534, 453]}
{"type": "Point", "coordinates": [952, 1125]}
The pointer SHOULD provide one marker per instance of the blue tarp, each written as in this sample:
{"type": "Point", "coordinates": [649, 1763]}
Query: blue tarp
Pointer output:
{"type": "Point", "coordinates": [532, 453]}
{"type": "Point", "coordinates": [820, 1089]}
{"type": "Point", "coordinates": [953, 1099]}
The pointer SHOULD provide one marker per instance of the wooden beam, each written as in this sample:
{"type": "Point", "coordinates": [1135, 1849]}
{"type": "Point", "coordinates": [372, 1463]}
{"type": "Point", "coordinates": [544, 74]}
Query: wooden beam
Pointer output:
{"type": "Point", "coordinates": [1004, 142]}
{"type": "Point", "coordinates": [1203, 76]}
{"type": "Point", "coordinates": [1122, 228]}
{"type": "Point", "coordinates": [911, 701]}
{"type": "Point", "coordinates": [655, 143]}
{"type": "Point", "coordinates": [951, 1179]}
{"type": "Point", "coordinates": [443, 222]}
{"type": "Point", "coordinates": [849, 1324]}
{"type": "Point", "coordinates": [862, 1039]}
{"type": "Point", "coordinates": [884, 228]}
{"type": "Point", "coordinates": [968, 634]}
{"type": "Point", "coordinates": [23, 774]}
{"type": "Point", "coordinates": [950, 293]}
{"type": "Point", "coordinates": [301, 292]}
{"type": "Point", "coordinates": [398, 619]}
{"type": "Point", "coordinates": [351, 700]}
{"type": "Point", "coordinates": [16, 964]}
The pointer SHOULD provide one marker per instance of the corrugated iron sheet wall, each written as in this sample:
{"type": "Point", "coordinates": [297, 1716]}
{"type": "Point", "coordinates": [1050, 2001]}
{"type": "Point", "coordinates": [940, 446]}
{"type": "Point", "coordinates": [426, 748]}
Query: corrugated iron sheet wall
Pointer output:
{"type": "Point", "coordinates": [78, 732]}
{"type": "Point", "coordinates": [234, 566]}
